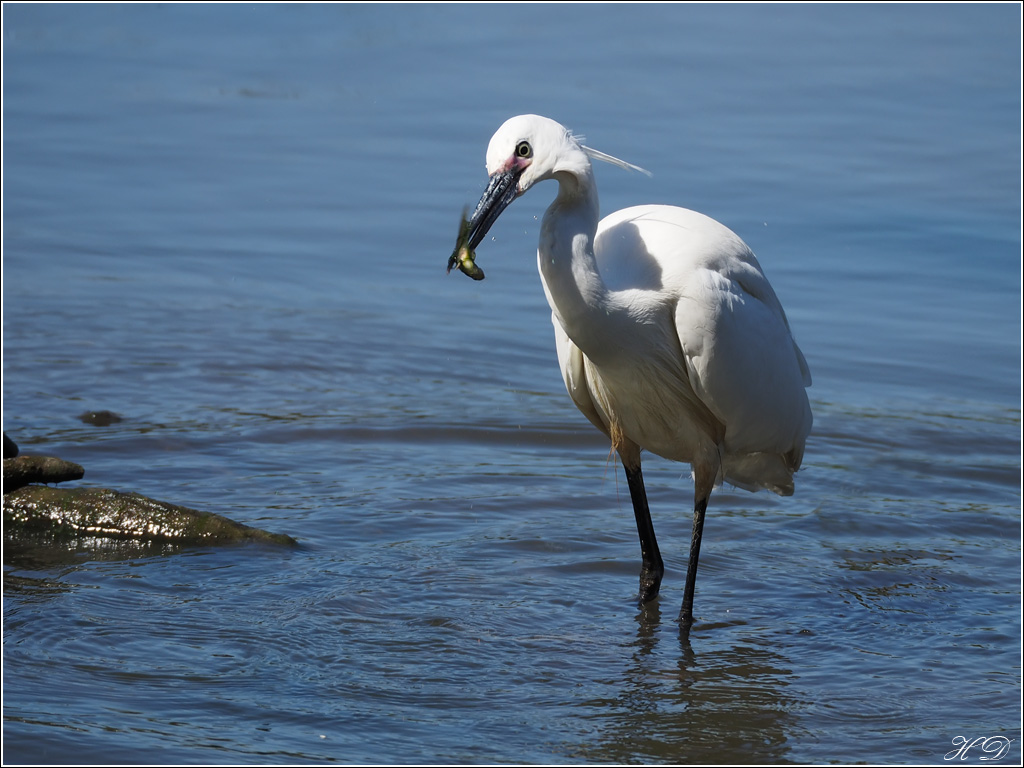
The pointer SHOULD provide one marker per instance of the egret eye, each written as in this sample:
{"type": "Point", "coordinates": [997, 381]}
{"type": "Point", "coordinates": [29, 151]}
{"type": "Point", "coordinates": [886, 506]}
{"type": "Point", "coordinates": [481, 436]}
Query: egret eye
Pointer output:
{"type": "Point", "coordinates": [523, 149]}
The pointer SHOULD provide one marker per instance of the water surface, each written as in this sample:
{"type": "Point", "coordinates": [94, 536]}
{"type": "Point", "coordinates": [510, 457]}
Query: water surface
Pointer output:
{"type": "Point", "coordinates": [229, 225]}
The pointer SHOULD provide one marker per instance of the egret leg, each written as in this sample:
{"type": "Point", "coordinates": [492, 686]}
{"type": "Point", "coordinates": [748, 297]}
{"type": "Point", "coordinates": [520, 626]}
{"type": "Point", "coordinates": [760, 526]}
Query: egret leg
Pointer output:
{"type": "Point", "coordinates": [652, 568]}
{"type": "Point", "coordinates": [686, 612]}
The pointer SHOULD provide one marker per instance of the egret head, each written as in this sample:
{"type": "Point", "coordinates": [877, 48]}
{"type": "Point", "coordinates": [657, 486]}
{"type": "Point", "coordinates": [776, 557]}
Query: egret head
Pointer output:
{"type": "Point", "coordinates": [534, 148]}
{"type": "Point", "coordinates": [524, 150]}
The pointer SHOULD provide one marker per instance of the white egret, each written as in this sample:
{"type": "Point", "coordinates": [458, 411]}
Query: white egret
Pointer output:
{"type": "Point", "coordinates": [669, 336]}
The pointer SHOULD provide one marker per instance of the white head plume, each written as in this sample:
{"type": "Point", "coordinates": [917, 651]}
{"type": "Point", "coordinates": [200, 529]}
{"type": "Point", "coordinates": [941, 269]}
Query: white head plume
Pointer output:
{"type": "Point", "coordinates": [597, 155]}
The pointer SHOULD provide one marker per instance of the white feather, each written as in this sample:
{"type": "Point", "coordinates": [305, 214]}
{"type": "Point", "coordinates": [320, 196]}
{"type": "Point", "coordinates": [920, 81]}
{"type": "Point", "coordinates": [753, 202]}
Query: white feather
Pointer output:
{"type": "Point", "coordinates": [596, 155]}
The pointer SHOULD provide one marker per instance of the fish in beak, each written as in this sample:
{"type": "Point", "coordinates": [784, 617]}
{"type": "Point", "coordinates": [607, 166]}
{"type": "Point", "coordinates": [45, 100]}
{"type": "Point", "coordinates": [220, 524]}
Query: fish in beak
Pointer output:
{"type": "Point", "coordinates": [502, 189]}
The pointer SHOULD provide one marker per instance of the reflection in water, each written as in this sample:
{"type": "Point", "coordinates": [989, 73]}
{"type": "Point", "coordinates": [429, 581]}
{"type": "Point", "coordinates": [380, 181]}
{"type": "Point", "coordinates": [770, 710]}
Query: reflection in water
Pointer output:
{"type": "Point", "coordinates": [680, 705]}
{"type": "Point", "coordinates": [647, 621]}
{"type": "Point", "coordinates": [41, 567]}
{"type": "Point", "coordinates": [44, 553]}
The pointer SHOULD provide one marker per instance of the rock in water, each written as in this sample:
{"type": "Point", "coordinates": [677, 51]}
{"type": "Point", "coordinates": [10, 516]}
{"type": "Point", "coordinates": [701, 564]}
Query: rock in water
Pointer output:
{"type": "Point", "coordinates": [112, 514]}
{"type": "Point", "coordinates": [23, 470]}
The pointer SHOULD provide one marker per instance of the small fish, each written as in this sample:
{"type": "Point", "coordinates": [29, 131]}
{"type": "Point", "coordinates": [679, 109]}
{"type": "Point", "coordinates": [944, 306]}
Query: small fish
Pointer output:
{"type": "Point", "coordinates": [463, 256]}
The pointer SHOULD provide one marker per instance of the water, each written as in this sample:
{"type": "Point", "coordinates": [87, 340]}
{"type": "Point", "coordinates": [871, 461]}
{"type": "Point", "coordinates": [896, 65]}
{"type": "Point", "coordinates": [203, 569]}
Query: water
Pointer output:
{"type": "Point", "coordinates": [230, 224]}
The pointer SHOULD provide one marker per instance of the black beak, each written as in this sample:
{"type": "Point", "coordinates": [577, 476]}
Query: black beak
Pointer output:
{"type": "Point", "coordinates": [501, 190]}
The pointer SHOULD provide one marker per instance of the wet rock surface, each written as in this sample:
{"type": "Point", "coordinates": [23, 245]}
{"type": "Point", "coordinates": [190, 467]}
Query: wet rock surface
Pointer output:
{"type": "Point", "coordinates": [24, 470]}
{"type": "Point", "coordinates": [66, 513]}
{"type": "Point", "coordinates": [33, 508]}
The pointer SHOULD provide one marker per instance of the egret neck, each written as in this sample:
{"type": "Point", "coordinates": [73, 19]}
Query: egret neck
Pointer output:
{"type": "Point", "coordinates": [568, 268]}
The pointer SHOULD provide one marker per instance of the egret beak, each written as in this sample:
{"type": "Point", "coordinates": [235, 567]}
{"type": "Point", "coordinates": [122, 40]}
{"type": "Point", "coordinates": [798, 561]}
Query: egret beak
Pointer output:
{"type": "Point", "coordinates": [502, 189]}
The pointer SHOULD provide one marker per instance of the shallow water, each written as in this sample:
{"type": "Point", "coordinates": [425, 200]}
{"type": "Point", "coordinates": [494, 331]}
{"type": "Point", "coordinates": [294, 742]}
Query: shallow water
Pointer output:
{"type": "Point", "coordinates": [229, 225]}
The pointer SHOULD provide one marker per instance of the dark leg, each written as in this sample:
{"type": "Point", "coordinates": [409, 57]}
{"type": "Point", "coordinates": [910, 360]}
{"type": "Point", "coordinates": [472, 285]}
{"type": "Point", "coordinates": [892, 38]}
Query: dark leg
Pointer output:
{"type": "Point", "coordinates": [652, 568]}
{"type": "Point", "coordinates": [686, 613]}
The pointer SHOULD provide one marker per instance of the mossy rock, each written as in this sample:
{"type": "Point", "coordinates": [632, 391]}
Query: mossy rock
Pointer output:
{"type": "Point", "coordinates": [101, 512]}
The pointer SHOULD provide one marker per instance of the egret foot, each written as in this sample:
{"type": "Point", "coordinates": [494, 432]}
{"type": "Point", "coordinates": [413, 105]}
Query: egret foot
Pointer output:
{"type": "Point", "coordinates": [650, 584]}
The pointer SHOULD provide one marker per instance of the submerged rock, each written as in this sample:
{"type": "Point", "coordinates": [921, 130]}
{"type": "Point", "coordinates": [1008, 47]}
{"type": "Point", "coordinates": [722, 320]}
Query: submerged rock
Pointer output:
{"type": "Point", "coordinates": [100, 418]}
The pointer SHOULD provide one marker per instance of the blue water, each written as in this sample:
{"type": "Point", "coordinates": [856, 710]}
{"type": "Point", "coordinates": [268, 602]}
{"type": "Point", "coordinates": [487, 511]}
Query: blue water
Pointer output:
{"type": "Point", "coordinates": [229, 224]}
